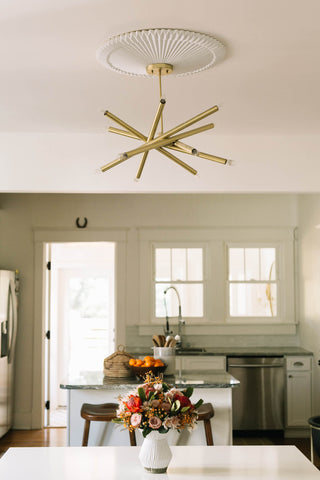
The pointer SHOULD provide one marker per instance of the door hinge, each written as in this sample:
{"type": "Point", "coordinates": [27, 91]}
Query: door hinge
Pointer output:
{"type": "Point", "coordinates": [48, 334]}
{"type": "Point", "coordinates": [47, 405]}
{"type": "Point", "coordinates": [49, 266]}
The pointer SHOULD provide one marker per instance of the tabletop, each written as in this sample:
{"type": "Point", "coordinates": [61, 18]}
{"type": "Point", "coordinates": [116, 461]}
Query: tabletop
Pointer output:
{"type": "Point", "coordinates": [188, 463]}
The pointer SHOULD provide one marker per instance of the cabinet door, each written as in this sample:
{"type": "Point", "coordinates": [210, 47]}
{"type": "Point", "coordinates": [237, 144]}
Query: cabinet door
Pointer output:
{"type": "Point", "coordinates": [298, 398]}
{"type": "Point", "coordinates": [192, 362]}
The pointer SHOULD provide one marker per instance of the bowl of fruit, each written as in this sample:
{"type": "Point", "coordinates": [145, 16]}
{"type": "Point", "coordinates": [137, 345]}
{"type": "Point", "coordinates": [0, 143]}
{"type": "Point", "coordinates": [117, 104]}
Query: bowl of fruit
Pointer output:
{"type": "Point", "coordinates": [149, 364]}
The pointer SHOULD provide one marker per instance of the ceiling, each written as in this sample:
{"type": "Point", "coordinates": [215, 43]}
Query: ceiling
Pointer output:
{"type": "Point", "coordinates": [53, 92]}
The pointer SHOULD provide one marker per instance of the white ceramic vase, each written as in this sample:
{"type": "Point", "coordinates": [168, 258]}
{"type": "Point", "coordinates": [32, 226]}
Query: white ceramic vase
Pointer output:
{"type": "Point", "coordinates": [155, 453]}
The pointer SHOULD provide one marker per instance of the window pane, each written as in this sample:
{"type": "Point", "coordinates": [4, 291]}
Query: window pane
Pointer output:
{"type": "Point", "coordinates": [159, 299]}
{"type": "Point", "coordinates": [179, 264]}
{"type": "Point", "coordinates": [191, 300]}
{"type": "Point", "coordinates": [257, 300]}
{"type": "Point", "coordinates": [163, 264]}
{"type": "Point", "coordinates": [194, 264]}
{"type": "Point", "coordinates": [268, 267]}
{"type": "Point", "coordinates": [252, 264]}
{"type": "Point", "coordinates": [236, 263]}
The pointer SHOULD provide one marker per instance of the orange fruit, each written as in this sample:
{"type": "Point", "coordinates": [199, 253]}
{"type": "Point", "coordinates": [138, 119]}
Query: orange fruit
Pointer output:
{"type": "Point", "coordinates": [158, 363]}
{"type": "Point", "coordinates": [132, 361]}
{"type": "Point", "coordinates": [139, 362]}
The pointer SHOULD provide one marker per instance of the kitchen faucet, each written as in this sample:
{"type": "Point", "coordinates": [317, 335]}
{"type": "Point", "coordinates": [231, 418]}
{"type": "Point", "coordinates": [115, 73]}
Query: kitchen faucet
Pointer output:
{"type": "Point", "coordinates": [180, 321]}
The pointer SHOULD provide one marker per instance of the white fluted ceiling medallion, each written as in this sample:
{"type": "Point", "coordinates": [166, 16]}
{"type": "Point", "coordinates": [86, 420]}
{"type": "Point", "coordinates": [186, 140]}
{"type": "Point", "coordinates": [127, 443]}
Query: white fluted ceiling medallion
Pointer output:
{"type": "Point", "coordinates": [160, 52]}
{"type": "Point", "coordinates": [189, 52]}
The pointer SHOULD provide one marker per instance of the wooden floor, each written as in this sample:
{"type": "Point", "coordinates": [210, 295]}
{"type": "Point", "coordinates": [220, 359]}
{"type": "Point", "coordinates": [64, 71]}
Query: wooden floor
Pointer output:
{"type": "Point", "coordinates": [57, 437]}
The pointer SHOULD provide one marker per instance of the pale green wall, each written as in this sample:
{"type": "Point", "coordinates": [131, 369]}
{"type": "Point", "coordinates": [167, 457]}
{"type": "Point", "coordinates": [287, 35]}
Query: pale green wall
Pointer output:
{"type": "Point", "coordinates": [309, 283]}
{"type": "Point", "coordinates": [20, 214]}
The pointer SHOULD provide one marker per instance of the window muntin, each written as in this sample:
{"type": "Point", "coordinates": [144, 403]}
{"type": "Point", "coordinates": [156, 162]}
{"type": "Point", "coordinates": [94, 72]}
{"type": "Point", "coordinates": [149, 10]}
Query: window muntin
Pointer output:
{"type": "Point", "coordinates": [182, 268]}
{"type": "Point", "coordinates": [252, 282]}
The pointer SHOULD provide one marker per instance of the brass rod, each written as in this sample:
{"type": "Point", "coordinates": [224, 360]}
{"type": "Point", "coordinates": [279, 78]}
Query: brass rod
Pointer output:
{"type": "Point", "coordinates": [151, 134]}
{"type": "Point", "coordinates": [185, 148]}
{"type": "Point", "coordinates": [124, 124]}
{"type": "Point", "coordinates": [213, 158]}
{"type": "Point", "coordinates": [114, 163]}
{"type": "Point", "coordinates": [178, 161]}
{"type": "Point", "coordinates": [188, 123]}
{"type": "Point", "coordinates": [125, 133]}
{"type": "Point", "coordinates": [160, 88]}
{"type": "Point", "coordinates": [162, 142]}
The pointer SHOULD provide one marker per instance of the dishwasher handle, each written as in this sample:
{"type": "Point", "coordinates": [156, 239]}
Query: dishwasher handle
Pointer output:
{"type": "Point", "coordinates": [255, 365]}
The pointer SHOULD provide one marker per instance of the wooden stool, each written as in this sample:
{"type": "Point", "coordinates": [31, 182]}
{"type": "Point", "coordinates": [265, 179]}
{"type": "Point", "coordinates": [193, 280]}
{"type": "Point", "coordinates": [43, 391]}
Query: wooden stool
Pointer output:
{"type": "Point", "coordinates": [104, 412]}
{"type": "Point", "coordinates": [205, 412]}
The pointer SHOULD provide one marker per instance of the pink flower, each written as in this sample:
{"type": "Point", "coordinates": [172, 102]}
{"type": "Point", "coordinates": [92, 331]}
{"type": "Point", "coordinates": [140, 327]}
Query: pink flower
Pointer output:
{"type": "Point", "coordinates": [172, 422]}
{"type": "Point", "coordinates": [155, 403]}
{"type": "Point", "coordinates": [136, 419]}
{"type": "Point", "coordinates": [166, 406]}
{"type": "Point", "coordinates": [155, 423]}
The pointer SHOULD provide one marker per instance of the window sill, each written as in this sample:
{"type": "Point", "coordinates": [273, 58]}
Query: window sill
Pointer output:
{"type": "Point", "coordinates": [228, 329]}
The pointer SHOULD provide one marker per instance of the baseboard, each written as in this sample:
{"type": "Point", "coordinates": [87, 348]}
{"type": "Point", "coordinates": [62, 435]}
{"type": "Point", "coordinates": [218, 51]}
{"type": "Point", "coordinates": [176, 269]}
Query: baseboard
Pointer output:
{"type": "Point", "coordinates": [298, 432]}
{"type": "Point", "coordinates": [22, 421]}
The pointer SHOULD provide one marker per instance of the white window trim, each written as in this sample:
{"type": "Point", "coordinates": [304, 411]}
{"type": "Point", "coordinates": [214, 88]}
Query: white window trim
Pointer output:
{"type": "Point", "coordinates": [204, 282]}
{"type": "Point", "coordinates": [282, 292]}
{"type": "Point", "coordinates": [216, 238]}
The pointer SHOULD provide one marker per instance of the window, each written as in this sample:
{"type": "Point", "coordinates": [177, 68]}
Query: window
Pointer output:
{"type": "Point", "coordinates": [231, 280]}
{"type": "Point", "coordinates": [183, 269]}
{"type": "Point", "coordinates": [252, 282]}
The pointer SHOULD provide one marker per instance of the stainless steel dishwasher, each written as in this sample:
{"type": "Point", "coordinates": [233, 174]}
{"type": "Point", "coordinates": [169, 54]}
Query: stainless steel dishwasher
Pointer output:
{"type": "Point", "coordinates": [258, 402]}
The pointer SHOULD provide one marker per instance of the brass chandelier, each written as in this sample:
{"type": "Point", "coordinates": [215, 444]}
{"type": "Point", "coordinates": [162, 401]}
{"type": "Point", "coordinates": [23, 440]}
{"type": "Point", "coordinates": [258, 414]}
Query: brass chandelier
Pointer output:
{"type": "Point", "coordinates": [192, 52]}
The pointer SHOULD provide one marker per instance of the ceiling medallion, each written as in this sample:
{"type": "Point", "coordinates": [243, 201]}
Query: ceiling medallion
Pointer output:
{"type": "Point", "coordinates": [161, 52]}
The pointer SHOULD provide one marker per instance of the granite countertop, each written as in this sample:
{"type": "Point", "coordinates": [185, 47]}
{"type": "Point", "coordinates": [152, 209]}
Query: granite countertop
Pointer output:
{"type": "Point", "coordinates": [195, 379]}
{"type": "Point", "coordinates": [231, 351]}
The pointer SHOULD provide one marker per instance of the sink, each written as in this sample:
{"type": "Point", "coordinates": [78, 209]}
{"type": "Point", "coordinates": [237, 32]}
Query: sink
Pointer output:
{"type": "Point", "coordinates": [188, 350]}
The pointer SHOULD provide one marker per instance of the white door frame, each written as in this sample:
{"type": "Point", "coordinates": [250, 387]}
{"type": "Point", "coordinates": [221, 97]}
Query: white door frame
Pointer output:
{"type": "Point", "coordinates": [41, 237]}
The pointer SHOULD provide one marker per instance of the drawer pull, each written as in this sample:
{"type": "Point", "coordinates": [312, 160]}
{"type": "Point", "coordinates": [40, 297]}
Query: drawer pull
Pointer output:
{"type": "Point", "coordinates": [298, 364]}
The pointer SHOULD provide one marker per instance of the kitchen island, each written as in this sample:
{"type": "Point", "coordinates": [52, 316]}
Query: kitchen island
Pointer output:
{"type": "Point", "coordinates": [94, 387]}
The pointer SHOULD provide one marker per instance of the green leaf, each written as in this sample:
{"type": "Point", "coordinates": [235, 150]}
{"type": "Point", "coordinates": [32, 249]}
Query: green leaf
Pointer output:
{"type": "Point", "coordinates": [199, 402]}
{"type": "Point", "coordinates": [151, 395]}
{"type": "Point", "coordinates": [188, 392]}
{"type": "Point", "coordinates": [117, 420]}
{"type": "Point", "coordinates": [184, 409]}
{"type": "Point", "coordinates": [145, 431]}
{"type": "Point", "coordinates": [142, 394]}
{"type": "Point", "coordinates": [162, 429]}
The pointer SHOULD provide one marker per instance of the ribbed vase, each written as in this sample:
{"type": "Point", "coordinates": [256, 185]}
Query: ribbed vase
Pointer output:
{"type": "Point", "coordinates": [155, 453]}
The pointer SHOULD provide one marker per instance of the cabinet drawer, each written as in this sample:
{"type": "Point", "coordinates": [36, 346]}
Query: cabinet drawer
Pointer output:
{"type": "Point", "coordinates": [298, 363]}
{"type": "Point", "coordinates": [201, 362]}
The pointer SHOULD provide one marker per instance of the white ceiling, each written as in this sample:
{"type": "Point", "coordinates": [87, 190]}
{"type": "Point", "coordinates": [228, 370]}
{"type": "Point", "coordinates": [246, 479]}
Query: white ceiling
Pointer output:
{"type": "Point", "coordinates": [53, 93]}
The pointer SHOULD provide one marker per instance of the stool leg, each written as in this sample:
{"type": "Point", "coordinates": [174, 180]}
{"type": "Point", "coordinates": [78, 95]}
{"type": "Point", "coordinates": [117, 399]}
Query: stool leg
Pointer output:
{"type": "Point", "coordinates": [208, 431]}
{"type": "Point", "coordinates": [133, 442]}
{"type": "Point", "coordinates": [86, 433]}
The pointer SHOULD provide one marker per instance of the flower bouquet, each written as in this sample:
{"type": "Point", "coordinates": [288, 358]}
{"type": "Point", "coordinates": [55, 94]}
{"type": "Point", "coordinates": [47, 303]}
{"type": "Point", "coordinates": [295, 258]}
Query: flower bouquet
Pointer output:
{"type": "Point", "coordinates": [156, 407]}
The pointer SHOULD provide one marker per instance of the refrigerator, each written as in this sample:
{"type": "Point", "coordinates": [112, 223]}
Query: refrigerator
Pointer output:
{"type": "Point", "coordinates": [9, 291]}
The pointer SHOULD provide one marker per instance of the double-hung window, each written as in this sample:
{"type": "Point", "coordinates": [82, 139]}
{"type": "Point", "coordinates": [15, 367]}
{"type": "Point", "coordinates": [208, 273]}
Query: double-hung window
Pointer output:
{"type": "Point", "coordinates": [253, 281]}
{"type": "Point", "coordinates": [183, 268]}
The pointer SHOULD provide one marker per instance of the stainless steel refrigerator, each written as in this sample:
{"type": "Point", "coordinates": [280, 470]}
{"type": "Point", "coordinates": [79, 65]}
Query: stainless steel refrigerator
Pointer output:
{"type": "Point", "coordinates": [9, 290]}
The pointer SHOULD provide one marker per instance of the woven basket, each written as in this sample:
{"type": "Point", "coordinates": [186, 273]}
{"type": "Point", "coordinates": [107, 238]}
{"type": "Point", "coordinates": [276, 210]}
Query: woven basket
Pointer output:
{"type": "Point", "coordinates": [117, 365]}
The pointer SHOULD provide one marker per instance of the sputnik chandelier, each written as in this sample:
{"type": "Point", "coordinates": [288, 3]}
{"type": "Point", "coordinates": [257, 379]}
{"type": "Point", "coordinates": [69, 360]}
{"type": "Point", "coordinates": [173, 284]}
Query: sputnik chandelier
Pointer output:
{"type": "Point", "coordinates": [161, 52]}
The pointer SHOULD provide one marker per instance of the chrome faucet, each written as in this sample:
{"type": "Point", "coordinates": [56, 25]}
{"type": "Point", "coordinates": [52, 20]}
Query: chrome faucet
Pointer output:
{"type": "Point", "coordinates": [180, 320]}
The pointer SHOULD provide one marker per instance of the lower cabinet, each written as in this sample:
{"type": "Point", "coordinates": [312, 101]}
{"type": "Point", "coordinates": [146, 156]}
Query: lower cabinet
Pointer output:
{"type": "Point", "coordinates": [298, 391]}
{"type": "Point", "coordinates": [200, 362]}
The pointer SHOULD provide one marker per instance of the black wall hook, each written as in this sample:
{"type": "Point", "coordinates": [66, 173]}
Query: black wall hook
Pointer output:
{"type": "Point", "coordinates": [85, 223]}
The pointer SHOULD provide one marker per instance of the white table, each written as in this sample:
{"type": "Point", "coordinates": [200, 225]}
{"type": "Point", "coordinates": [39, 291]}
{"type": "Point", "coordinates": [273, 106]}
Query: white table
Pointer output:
{"type": "Point", "coordinates": [188, 463]}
